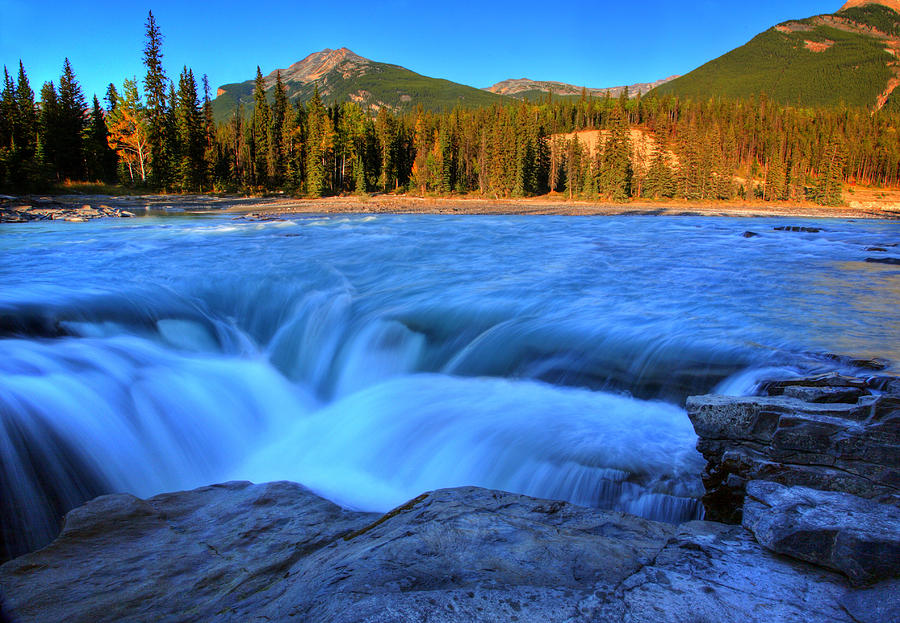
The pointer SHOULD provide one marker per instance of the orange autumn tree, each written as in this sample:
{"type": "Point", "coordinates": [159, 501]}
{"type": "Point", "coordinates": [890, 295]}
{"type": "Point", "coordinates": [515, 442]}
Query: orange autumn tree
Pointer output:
{"type": "Point", "coordinates": [128, 131]}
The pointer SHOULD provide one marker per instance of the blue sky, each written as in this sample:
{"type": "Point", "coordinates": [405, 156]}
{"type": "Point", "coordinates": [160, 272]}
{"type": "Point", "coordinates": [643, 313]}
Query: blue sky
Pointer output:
{"type": "Point", "coordinates": [596, 44]}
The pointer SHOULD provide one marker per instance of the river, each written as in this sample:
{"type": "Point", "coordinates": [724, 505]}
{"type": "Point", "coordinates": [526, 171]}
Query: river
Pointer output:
{"type": "Point", "coordinates": [374, 358]}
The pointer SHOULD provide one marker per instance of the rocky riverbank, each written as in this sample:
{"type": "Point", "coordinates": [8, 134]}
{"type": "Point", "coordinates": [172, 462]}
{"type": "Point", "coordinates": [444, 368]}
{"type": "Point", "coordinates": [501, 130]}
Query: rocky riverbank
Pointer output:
{"type": "Point", "coordinates": [807, 474]}
{"type": "Point", "coordinates": [22, 209]}
{"type": "Point", "coordinates": [18, 211]}
{"type": "Point", "coordinates": [278, 552]}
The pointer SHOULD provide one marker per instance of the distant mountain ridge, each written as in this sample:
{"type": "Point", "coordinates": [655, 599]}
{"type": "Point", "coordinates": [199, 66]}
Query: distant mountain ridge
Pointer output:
{"type": "Point", "coordinates": [892, 4]}
{"type": "Point", "coordinates": [850, 57]}
{"type": "Point", "coordinates": [341, 75]}
{"type": "Point", "coordinates": [524, 88]}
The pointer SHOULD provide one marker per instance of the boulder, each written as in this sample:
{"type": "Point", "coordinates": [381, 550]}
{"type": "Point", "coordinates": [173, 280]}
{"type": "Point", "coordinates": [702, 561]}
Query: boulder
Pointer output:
{"type": "Point", "coordinates": [240, 552]}
{"type": "Point", "coordinates": [851, 447]}
{"type": "Point", "coordinates": [855, 536]}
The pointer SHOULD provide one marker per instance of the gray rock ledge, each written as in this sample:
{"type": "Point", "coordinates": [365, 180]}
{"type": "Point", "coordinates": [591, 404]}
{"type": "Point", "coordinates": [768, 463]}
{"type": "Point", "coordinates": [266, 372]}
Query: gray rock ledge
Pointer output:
{"type": "Point", "coordinates": [857, 537]}
{"type": "Point", "coordinates": [851, 447]}
{"type": "Point", "coordinates": [278, 552]}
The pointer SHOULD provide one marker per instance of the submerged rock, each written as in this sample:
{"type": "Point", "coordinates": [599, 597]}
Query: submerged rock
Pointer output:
{"type": "Point", "coordinates": [857, 537]}
{"type": "Point", "coordinates": [807, 230]}
{"type": "Point", "coordinates": [884, 260]}
{"type": "Point", "coordinates": [239, 552]}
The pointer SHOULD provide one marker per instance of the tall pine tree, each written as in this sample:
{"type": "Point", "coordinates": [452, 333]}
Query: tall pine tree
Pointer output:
{"type": "Point", "coordinates": [155, 83]}
{"type": "Point", "coordinates": [189, 129]}
{"type": "Point", "coordinates": [99, 158]}
{"type": "Point", "coordinates": [319, 142]}
{"type": "Point", "coordinates": [260, 129]}
{"type": "Point", "coordinates": [70, 126]}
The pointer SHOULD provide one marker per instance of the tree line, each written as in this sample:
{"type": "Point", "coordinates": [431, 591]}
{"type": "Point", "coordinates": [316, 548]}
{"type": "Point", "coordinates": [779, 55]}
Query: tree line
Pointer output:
{"type": "Point", "coordinates": [161, 135]}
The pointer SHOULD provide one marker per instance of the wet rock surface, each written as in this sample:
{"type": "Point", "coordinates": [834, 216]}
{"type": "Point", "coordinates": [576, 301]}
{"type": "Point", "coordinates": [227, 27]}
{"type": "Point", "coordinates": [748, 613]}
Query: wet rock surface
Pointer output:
{"type": "Point", "coordinates": [239, 552]}
{"type": "Point", "coordinates": [855, 536]}
{"type": "Point", "coordinates": [831, 432]}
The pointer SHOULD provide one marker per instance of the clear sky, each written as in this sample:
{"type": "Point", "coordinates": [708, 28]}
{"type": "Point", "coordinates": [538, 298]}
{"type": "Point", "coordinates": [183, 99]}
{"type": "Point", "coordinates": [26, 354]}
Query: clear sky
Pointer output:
{"type": "Point", "coordinates": [596, 44]}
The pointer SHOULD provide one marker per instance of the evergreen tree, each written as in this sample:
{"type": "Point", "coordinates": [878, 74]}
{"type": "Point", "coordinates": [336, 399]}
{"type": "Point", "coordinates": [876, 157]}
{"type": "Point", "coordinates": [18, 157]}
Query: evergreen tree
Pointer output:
{"type": "Point", "coordinates": [386, 135]}
{"type": "Point", "coordinates": [25, 126]}
{"type": "Point", "coordinates": [111, 97]}
{"type": "Point", "coordinates": [659, 181]}
{"type": "Point", "coordinates": [99, 158]}
{"type": "Point", "coordinates": [70, 126]}
{"type": "Point", "coordinates": [48, 130]}
{"type": "Point", "coordinates": [190, 132]}
{"type": "Point", "coordinates": [444, 157]}
{"type": "Point", "coordinates": [172, 147]}
{"type": "Point", "coordinates": [319, 142]}
{"type": "Point", "coordinates": [7, 124]}
{"type": "Point", "coordinates": [776, 179]}
{"type": "Point", "coordinates": [277, 150]}
{"type": "Point", "coordinates": [614, 179]}
{"type": "Point", "coordinates": [260, 131]}
{"type": "Point", "coordinates": [829, 187]}
{"type": "Point", "coordinates": [155, 83]}
{"type": "Point", "coordinates": [211, 153]}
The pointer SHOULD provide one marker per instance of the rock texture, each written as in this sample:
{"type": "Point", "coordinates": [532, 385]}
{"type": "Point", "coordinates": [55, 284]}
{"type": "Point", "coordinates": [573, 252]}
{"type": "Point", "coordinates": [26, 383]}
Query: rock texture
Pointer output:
{"type": "Point", "coordinates": [242, 552]}
{"type": "Point", "coordinates": [803, 435]}
{"type": "Point", "coordinates": [17, 211]}
{"type": "Point", "coordinates": [857, 537]}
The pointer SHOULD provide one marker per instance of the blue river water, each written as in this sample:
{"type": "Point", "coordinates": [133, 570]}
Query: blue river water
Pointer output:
{"type": "Point", "coordinates": [374, 358]}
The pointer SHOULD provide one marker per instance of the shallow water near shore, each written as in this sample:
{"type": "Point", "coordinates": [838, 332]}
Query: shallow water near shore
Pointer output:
{"type": "Point", "coordinates": [374, 357]}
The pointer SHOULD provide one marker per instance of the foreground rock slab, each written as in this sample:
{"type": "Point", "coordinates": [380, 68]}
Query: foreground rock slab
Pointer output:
{"type": "Point", "coordinates": [857, 537]}
{"type": "Point", "coordinates": [278, 552]}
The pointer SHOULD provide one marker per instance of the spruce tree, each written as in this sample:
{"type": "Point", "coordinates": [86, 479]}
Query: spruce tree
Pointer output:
{"type": "Point", "coordinates": [211, 152]}
{"type": "Point", "coordinates": [280, 110]}
{"type": "Point", "coordinates": [319, 142]}
{"type": "Point", "coordinates": [70, 126]}
{"type": "Point", "coordinates": [189, 129]}
{"type": "Point", "coordinates": [99, 158]}
{"type": "Point", "coordinates": [614, 179]}
{"type": "Point", "coordinates": [25, 127]}
{"type": "Point", "coordinates": [261, 129]}
{"type": "Point", "coordinates": [111, 97]}
{"type": "Point", "coordinates": [49, 131]}
{"type": "Point", "coordinates": [172, 141]}
{"type": "Point", "coordinates": [386, 134]}
{"type": "Point", "coordinates": [7, 124]}
{"type": "Point", "coordinates": [155, 83]}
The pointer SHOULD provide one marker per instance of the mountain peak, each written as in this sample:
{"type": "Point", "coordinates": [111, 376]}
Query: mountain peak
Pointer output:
{"type": "Point", "coordinates": [891, 4]}
{"type": "Point", "coordinates": [317, 65]}
{"type": "Point", "coordinates": [523, 87]}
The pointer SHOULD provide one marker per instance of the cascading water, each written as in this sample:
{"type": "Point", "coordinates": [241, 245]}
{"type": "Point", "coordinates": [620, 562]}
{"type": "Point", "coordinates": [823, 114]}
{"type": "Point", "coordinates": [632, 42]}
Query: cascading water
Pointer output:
{"type": "Point", "coordinates": [375, 358]}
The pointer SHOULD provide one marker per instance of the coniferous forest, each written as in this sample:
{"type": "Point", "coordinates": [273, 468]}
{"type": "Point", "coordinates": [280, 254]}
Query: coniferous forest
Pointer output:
{"type": "Point", "coordinates": [157, 133]}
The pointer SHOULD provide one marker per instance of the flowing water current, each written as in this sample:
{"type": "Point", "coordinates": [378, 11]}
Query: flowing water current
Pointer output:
{"type": "Point", "coordinates": [374, 358]}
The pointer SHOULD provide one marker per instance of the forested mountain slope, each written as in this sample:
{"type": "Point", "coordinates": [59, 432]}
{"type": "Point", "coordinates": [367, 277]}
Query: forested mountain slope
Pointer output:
{"type": "Point", "coordinates": [851, 57]}
{"type": "Point", "coordinates": [341, 75]}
